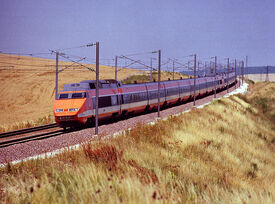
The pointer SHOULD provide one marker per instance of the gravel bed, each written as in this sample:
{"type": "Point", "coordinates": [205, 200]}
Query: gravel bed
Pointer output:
{"type": "Point", "coordinates": [24, 150]}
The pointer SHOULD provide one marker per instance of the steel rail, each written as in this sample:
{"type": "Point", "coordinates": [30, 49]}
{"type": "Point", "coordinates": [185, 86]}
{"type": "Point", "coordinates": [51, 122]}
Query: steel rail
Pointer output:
{"type": "Point", "coordinates": [27, 130]}
{"type": "Point", "coordinates": [30, 138]}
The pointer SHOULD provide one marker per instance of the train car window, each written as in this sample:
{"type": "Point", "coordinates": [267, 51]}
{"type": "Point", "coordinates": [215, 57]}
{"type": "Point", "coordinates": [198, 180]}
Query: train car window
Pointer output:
{"type": "Point", "coordinates": [120, 99]}
{"type": "Point", "coordinates": [126, 98]}
{"type": "Point", "coordinates": [104, 101]}
{"type": "Point", "coordinates": [112, 85]}
{"type": "Point", "coordinates": [153, 94]}
{"type": "Point", "coordinates": [135, 97]}
{"type": "Point", "coordinates": [105, 85]}
{"type": "Point", "coordinates": [92, 85]}
{"type": "Point", "coordinates": [114, 100]}
{"type": "Point", "coordinates": [204, 84]}
{"type": "Point", "coordinates": [162, 93]}
{"type": "Point", "coordinates": [184, 89]}
{"type": "Point", "coordinates": [77, 95]}
{"type": "Point", "coordinates": [172, 91]}
{"type": "Point", "coordinates": [201, 86]}
{"type": "Point", "coordinates": [142, 96]}
{"type": "Point", "coordinates": [63, 96]}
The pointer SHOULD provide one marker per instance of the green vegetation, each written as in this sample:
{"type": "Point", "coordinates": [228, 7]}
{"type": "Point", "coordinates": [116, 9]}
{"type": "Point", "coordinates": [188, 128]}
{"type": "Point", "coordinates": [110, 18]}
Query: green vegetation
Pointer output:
{"type": "Point", "coordinates": [142, 78]}
{"type": "Point", "coordinates": [139, 78]}
{"type": "Point", "coordinates": [223, 153]}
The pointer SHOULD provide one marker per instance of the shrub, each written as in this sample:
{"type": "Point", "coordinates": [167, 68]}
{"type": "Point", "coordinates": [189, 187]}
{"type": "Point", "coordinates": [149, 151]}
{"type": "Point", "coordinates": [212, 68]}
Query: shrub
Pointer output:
{"type": "Point", "coordinates": [262, 103]}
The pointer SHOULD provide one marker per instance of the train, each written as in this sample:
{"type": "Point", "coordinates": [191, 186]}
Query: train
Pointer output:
{"type": "Point", "coordinates": [75, 103]}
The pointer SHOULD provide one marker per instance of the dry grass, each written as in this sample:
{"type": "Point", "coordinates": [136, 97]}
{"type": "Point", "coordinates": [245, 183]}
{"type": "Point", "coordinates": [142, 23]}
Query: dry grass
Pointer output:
{"type": "Point", "coordinates": [27, 124]}
{"type": "Point", "coordinates": [28, 88]}
{"type": "Point", "coordinates": [223, 153]}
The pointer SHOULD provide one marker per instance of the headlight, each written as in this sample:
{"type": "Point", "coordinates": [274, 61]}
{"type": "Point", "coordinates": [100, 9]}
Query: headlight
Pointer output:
{"type": "Point", "coordinates": [73, 109]}
{"type": "Point", "coordinates": [59, 110]}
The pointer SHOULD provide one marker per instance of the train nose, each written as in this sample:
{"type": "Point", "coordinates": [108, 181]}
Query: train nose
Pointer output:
{"type": "Point", "coordinates": [68, 107]}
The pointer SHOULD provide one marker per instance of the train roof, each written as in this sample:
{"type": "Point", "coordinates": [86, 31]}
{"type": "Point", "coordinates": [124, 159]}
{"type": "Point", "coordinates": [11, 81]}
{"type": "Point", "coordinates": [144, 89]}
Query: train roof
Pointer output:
{"type": "Point", "coordinates": [111, 83]}
{"type": "Point", "coordinates": [91, 84]}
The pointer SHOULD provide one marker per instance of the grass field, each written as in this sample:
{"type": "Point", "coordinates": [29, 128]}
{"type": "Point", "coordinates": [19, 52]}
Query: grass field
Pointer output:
{"type": "Point", "coordinates": [223, 153]}
{"type": "Point", "coordinates": [28, 87]}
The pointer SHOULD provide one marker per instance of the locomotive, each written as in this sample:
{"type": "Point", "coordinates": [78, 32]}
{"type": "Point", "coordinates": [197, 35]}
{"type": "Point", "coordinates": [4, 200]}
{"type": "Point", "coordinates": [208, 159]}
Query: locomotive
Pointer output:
{"type": "Point", "coordinates": [75, 104]}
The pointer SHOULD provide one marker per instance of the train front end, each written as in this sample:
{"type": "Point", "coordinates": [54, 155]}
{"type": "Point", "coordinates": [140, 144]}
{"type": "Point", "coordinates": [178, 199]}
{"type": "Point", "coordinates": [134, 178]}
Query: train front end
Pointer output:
{"type": "Point", "coordinates": [69, 105]}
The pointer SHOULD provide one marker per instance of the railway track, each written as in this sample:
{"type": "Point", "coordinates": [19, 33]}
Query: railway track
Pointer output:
{"type": "Point", "coordinates": [29, 134]}
{"type": "Point", "coordinates": [35, 133]}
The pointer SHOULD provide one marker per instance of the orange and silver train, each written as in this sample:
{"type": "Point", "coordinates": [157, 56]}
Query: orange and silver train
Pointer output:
{"type": "Point", "coordinates": [75, 104]}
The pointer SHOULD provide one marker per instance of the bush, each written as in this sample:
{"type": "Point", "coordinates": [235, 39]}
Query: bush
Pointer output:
{"type": "Point", "coordinates": [262, 103]}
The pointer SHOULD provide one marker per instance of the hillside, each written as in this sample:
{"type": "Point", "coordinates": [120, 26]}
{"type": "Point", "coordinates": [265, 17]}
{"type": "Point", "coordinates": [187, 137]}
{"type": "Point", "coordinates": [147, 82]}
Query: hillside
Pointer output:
{"type": "Point", "coordinates": [223, 153]}
{"type": "Point", "coordinates": [28, 87]}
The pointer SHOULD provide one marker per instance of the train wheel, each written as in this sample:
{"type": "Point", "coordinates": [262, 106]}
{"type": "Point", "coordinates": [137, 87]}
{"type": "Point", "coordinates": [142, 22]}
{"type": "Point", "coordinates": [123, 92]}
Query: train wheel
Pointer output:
{"type": "Point", "coordinates": [90, 122]}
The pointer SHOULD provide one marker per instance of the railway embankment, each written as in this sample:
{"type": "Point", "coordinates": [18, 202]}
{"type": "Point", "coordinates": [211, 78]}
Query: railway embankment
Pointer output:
{"type": "Point", "coordinates": [223, 152]}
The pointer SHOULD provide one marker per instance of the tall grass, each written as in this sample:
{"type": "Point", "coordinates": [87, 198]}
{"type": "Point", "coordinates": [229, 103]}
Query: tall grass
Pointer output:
{"type": "Point", "coordinates": [220, 154]}
{"type": "Point", "coordinates": [27, 124]}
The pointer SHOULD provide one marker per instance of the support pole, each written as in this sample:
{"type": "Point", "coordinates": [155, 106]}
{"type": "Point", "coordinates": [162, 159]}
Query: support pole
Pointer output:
{"type": "Point", "coordinates": [188, 63]}
{"type": "Point", "coordinates": [56, 75]}
{"type": "Point", "coordinates": [227, 76]}
{"type": "Point", "coordinates": [267, 74]}
{"type": "Point", "coordinates": [198, 68]}
{"type": "Point", "coordinates": [204, 69]}
{"type": "Point", "coordinates": [151, 65]}
{"type": "Point", "coordinates": [242, 72]}
{"type": "Point", "coordinates": [173, 70]}
{"type": "Point", "coordinates": [195, 63]}
{"type": "Point", "coordinates": [116, 68]}
{"type": "Point", "coordinates": [235, 73]}
{"type": "Point", "coordinates": [246, 61]}
{"type": "Point", "coordinates": [159, 52]}
{"type": "Point", "coordinates": [215, 70]}
{"type": "Point", "coordinates": [97, 88]}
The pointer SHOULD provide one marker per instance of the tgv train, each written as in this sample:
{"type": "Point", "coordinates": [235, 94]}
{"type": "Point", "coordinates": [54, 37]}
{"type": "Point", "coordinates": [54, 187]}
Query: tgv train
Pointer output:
{"type": "Point", "coordinates": [75, 104]}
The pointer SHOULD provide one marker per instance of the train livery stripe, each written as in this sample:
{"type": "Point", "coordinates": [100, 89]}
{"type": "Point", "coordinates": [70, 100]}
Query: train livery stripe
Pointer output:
{"type": "Point", "coordinates": [104, 110]}
{"type": "Point", "coordinates": [111, 109]}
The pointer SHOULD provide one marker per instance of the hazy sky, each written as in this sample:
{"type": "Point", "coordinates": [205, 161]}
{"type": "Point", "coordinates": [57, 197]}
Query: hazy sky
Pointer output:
{"type": "Point", "coordinates": [226, 28]}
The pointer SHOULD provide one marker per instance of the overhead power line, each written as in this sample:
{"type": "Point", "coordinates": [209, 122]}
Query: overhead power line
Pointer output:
{"type": "Point", "coordinates": [70, 48]}
{"type": "Point", "coordinates": [64, 56]}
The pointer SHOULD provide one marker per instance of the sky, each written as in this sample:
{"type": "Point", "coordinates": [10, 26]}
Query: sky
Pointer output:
{"type": "Point", "coordinates": [222, 28]}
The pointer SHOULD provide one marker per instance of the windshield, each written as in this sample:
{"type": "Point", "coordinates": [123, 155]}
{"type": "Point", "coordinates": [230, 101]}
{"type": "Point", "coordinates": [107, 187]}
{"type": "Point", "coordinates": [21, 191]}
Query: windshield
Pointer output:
{"type": "Point", "coordinates": [77, 95]}
{"type": "Point", "coordinates": [63, 96]}
{"type": "Point", "coordinates": [73, 95]}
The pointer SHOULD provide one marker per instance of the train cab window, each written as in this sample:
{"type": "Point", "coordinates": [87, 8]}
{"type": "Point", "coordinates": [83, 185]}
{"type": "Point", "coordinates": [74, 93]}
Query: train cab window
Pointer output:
{"type": "Point", "coordinates": [77, 95]}
{"type": "Point", "coordinates": [63, 96]}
